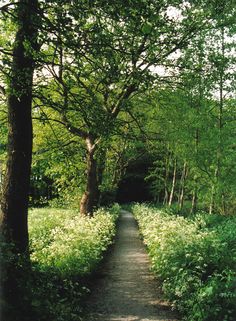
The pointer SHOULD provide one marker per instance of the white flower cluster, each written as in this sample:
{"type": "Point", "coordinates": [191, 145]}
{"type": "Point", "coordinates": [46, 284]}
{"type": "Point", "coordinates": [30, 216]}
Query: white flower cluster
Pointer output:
{"type": "Point", "coordinates": [69, 242]}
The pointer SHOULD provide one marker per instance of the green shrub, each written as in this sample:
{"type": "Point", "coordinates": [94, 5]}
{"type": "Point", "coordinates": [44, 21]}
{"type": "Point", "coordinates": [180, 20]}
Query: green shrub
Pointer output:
{"type": "Point", "coordinates": [195, 259]}
{"type": "Point", "coordinates": [65, 247]}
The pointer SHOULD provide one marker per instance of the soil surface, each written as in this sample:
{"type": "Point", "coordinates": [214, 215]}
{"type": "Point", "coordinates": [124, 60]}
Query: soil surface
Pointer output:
{"type": "Point", "coordinates": [125, 289]}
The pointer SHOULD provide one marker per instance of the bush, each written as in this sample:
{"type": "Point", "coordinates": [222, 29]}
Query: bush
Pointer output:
{"type": "Point", "coordinates": [65, 247]}
{"type": "Point", "coordinates": [195, 259]}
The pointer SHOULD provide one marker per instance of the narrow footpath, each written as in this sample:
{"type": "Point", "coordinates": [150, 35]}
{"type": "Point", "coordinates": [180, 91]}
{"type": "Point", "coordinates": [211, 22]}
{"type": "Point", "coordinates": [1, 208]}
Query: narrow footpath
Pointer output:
{"type": "Point", "coordinates": [125, 288]}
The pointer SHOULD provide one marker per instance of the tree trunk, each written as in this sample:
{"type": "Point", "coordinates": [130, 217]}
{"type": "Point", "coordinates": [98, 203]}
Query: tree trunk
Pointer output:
{"type": "Point", "coordinates": [90, 197]}
{"type": "Point", "coordinates": [211, 205]}
{"type": "Point", "coordinates": [217, 176]}
{"type": "Point", "coordinates": [223, 201]}
{"type": "Point", "coordinates": [15, 193]}
{"type": "Point", "coordinates": [173, 184]}
{"type": "Point", "coordinates": [194, 200]}
{"type": "Point", "coordinates": [14, 204]}
{"type": "Point", "coordinates": [166, 195]}
{"type": "Point", "coordinates": [182, 185]}
{"type": "Point", "coordinates": [213, 192]}
{"type": "Point", "coordinates": [101, 165]}
{"type": "Point", "coordinates": [221, 122]}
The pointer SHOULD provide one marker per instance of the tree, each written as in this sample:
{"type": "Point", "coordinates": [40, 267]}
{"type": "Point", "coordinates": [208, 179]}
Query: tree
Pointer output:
{"type": "Point", "coordinates": [14, 201]}
{"type": "Point", "coordinates": [100, 56]}
{"type": "Point", "coordinates": [196, 126]}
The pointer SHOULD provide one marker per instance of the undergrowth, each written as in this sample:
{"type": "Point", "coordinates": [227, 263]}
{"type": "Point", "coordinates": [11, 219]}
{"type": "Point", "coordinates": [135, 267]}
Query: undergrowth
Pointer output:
{"type": "Point", "coordinates": [65, 249]}
{"type": "Point", "coordinates": [195, 258]}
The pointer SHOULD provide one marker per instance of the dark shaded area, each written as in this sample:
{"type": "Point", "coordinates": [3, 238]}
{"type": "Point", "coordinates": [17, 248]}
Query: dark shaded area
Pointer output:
{"type": "Point", "coordinates": [42, 190]}
{"type": "Point", "coordinates": [133, 187]}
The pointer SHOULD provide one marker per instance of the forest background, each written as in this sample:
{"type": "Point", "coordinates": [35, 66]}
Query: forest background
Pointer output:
{"type": "Point", "coordinates": [114, 91]}
{"type": "Point", "coordinates": [129, 101]}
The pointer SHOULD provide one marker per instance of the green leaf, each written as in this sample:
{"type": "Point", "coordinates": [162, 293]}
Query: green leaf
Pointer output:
{"type": "Point", "coordinates": [147, 28]}
{"type": "Point", "coordinates": [209, 290]}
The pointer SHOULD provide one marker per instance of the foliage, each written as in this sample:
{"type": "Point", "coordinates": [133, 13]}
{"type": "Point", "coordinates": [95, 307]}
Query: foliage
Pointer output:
{"type": "Point", "coordinates": [112, 72]}
{"type": "Point", "coordinates": [65, 249]}
{"type": "Point", "coordinates": [117, 81]}
{"type": "Point", "coordinates": [68, 242]}
{"type": "Point", "coordinates": [58, 170]}
{"type": "Point", "coordinates": [194, 258]}
{"type": "Point", "coordinates": [98, 57]}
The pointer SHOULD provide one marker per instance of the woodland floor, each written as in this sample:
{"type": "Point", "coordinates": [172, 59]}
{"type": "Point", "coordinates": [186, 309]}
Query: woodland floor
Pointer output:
{"type": "Point", "coordinates": [125, 289]}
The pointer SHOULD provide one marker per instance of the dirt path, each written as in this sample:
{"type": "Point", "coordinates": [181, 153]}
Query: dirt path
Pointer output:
{"type": "Point", "coordinates": [126, 290]}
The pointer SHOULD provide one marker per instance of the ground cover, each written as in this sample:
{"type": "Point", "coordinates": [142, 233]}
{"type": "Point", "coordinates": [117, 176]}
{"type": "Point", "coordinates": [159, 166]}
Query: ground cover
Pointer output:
{"type": "Point", "coordinates": [65, 248]}
{"type": "Point", "coordinates": [195, 259]}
